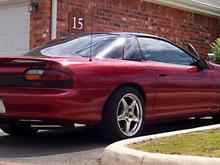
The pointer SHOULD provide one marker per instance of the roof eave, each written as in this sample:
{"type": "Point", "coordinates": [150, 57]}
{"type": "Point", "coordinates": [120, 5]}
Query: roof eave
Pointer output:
{"type": "Point", "coordinates": [192, 6]}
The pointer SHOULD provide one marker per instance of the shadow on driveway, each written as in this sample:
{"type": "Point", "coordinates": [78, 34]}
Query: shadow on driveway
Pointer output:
{"type": "Point", "coordinates": [80, 139]}
{"type": "Point", "coordinates": [178, 125]}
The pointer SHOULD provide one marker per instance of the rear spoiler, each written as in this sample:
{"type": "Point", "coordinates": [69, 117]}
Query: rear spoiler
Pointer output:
{"type": "Point", "coordinates": [41, 61]}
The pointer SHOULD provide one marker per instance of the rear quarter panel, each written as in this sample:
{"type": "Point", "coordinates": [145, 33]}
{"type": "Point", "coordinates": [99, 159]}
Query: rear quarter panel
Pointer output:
{"type": "Point", "coordinates": [99, 78]}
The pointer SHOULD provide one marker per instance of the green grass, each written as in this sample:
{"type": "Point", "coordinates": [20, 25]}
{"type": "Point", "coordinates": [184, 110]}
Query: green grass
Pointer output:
{"type": "Point", "coordinates": [197, 144]}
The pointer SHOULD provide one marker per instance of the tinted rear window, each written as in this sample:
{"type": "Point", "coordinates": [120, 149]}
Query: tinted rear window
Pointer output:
{"type": "Point", "coordinates": [98, 45]}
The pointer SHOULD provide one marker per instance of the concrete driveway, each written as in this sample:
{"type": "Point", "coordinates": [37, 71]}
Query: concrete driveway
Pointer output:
{"type": "Point", "coordinates": [82, 146]}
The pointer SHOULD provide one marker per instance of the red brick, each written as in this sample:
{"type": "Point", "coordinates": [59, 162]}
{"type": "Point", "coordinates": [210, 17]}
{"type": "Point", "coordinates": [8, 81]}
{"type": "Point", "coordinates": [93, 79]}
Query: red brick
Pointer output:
{"type": "Point", "coordinates": [179, 26]}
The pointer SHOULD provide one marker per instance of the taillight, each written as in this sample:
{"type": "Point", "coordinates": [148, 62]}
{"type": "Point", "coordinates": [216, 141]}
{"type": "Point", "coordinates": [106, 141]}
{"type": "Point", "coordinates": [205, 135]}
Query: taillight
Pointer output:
{"type": "Point", "coordinates": [49, 77]}
{"type": "Point", "coordinates": [34, 75]}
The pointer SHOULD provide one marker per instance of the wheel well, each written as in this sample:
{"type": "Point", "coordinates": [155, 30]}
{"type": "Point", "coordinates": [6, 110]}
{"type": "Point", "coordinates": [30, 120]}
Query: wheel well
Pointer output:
{"type": "Point", "coordinates": [134, 85]}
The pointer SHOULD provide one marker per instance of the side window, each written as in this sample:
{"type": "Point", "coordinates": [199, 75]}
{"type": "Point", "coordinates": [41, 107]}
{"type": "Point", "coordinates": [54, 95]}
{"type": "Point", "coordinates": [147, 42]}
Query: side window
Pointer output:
{"type": "Point", "coordinates": [116, 53]}
{"type": "Point", "coordinates": [132, 50]}
{"type": "Point", "coordinates": [112, 50]}
{"type": "Point", "coordinates": [161, 51]}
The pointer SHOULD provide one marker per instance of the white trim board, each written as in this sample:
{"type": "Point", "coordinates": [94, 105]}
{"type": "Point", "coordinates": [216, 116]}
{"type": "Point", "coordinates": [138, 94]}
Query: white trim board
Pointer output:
{"type": "Point", "coordinates": [9, 2]}
{"type": "Point", "coordinates": [190, 5]}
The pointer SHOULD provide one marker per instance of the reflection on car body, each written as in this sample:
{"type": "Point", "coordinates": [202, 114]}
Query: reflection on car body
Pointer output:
{"type": "Point", "coordinates": [132, 79]}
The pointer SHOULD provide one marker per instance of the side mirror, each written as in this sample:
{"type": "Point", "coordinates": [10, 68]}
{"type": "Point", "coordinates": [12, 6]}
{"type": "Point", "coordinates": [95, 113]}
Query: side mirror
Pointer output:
{"type": "Point", "coordinates": [192, 50]}
{"type": "Point", "coordinates": [202, 64]}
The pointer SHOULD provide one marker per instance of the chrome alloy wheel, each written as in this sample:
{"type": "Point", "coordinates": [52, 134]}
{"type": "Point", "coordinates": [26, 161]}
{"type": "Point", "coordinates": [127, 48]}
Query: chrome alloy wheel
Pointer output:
{"type": "Point", "coordinates": [129, 114]}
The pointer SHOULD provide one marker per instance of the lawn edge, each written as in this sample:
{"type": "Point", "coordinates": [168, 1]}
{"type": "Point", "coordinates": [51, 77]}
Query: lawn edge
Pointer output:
{"type": "Point", "coordinates": [118, 153]}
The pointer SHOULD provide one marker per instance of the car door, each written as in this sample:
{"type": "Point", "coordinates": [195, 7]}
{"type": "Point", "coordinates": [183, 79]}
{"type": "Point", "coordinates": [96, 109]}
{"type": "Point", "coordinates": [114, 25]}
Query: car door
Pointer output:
{"type": "Point", "coordinates": [132, 52]}
{"type": "Point", "coordinates": [182, 88]}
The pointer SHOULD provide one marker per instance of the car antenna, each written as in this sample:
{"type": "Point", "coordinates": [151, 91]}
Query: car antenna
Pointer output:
{"type": "Point", "coordinates": [91, 39]}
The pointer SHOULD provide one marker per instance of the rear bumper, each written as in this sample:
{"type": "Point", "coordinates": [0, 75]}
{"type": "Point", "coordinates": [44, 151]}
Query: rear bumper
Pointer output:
{"type": "Point", "coordinates": [62, 105]}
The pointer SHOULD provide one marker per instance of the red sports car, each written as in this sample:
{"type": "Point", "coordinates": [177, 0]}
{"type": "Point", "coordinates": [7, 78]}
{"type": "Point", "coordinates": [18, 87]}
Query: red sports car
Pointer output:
{"type": "Point", "coordinates": [118, 80]}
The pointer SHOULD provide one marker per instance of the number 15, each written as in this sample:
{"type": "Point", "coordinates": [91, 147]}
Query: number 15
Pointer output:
{"type": "Point", "coordinates": [77, 23]}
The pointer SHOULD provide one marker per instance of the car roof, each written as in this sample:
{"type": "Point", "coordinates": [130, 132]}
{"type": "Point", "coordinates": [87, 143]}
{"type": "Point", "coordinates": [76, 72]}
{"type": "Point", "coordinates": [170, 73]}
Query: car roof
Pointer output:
{"type": "Point", "coordinates": [134, 34]}
{"type": "Point", "coordinates": [131, 34]}
{"type": "Point", "coordinates": [150, 36]}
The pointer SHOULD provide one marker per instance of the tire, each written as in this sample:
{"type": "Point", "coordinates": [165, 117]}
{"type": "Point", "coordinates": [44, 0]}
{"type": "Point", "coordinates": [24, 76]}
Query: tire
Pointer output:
{"type": "Point", "coordinates": [216, 118]}
{"type": "Point", "coordinates": [124, 114]}
{"type": "Point", "coordinates": [18, 129]}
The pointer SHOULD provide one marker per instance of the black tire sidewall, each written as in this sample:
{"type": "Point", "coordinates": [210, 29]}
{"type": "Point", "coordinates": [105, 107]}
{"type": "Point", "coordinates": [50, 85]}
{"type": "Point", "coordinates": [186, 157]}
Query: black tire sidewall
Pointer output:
{"type": "Point", "coordinates": [110, 114]}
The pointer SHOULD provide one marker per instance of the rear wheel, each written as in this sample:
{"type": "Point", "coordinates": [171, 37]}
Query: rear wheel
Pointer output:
{"type": "Point", "coordinates": [124, 114]}
{"type": "Point", "coordinates": [216, 118]}
{"type": "Point", "coordinates": [18, 129]}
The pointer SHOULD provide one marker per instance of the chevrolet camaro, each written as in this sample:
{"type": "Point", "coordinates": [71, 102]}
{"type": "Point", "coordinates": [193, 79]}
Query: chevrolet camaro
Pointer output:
{"type": "Point", "coordinates": [120, 81]}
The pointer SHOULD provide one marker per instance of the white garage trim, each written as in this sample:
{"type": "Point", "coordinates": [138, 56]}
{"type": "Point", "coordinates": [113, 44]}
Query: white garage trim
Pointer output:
{"type": "Point", "coordinates": [54, 20]}
{"type": "Point", "coordinates": [15, 28]}
{"type": "Point", "coordinates": [190, 5]}
{"type": "Point", "coordinates": [8, 2]}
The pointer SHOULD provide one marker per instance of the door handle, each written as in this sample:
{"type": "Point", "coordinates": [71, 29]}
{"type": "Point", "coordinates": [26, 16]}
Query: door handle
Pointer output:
{"type": "Point", "coordinates": [162, 75]}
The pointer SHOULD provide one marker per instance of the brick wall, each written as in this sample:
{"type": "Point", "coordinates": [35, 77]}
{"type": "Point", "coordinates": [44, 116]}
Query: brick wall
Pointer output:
{"type": "Point", "coordinates": [178, 26]}
{"type": "Point", "coordinates": [40, 24]}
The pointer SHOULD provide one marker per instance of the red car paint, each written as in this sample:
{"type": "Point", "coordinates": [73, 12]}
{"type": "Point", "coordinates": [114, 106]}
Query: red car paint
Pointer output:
{"type": "Point", "coordinates": [171, 91]}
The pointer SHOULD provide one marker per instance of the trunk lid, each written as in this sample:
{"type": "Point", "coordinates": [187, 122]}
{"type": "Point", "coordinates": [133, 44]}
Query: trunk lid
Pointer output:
{"type": "Point", "coordinates": [12, 69]}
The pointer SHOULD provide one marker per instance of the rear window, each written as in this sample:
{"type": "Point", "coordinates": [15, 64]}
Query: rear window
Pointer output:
{"type": "Point", "coordinates": [98, 45]}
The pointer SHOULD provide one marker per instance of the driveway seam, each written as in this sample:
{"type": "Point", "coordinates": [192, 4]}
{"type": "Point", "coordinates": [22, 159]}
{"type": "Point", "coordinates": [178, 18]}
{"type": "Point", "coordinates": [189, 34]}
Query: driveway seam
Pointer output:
{"type": "Point", "coordinates": [142, 161]}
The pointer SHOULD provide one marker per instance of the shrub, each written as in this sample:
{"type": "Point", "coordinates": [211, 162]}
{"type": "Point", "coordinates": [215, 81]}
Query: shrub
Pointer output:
{"type": "Point", "coordinates": [216, 50]}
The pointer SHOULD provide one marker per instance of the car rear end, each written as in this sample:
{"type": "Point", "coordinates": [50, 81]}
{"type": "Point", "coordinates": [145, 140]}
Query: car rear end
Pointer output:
{"type": "Point", "coordinates": [37, 89]}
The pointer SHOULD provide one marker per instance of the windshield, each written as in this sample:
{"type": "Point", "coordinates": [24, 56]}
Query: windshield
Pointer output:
{"type": "Point", "coordinates": [98, 45]}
